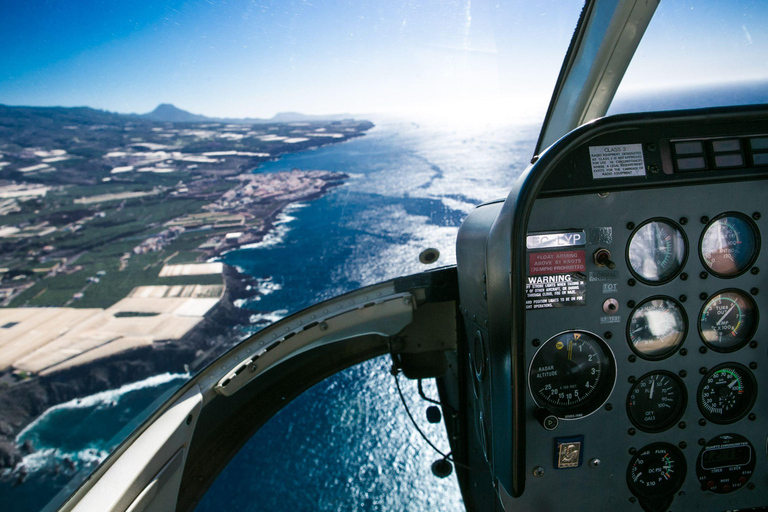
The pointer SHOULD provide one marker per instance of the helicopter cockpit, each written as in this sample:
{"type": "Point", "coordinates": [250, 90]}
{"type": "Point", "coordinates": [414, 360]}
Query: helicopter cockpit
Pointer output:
{"type": "Point", "coordinates": [598, 343]}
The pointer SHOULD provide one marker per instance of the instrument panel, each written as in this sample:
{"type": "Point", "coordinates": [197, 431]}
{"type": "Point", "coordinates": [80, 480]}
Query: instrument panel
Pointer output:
{"type": "Point", "coordinates": [616, 300]}
{"type": "Point", "coordinates": [667, 307]}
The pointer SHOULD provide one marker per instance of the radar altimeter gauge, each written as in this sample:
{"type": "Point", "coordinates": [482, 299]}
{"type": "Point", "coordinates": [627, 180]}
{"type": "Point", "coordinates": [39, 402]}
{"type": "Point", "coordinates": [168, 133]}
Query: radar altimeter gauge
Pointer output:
{"type": "Point", "coordinates": [728, 320]}
{"type": "Point", "coordinates": [729, 245]}
{"type": "Point", "coordinates": [657, 251]}
{"type": "Point", "coordinates": [656, 401]}
{"type": "Point", "coordinates": [572, 374]}
{"type": "Point", "coordinates": [656, 471]}
{"type": "Point", "coordinates": [727, 393]}
{"type": "Point", "coordinates": [657, 328]}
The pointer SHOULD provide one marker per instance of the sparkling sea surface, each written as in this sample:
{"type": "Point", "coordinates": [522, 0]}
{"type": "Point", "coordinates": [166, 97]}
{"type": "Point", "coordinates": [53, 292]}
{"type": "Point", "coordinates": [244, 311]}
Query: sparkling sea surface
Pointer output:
{"type": "Point", "coordinates": [347, 443]}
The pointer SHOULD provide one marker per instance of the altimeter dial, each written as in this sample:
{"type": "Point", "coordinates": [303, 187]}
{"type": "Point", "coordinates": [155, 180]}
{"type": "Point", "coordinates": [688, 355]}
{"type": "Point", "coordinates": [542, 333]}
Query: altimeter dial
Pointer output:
{"type": "Point", "coordinates": [572, 374]}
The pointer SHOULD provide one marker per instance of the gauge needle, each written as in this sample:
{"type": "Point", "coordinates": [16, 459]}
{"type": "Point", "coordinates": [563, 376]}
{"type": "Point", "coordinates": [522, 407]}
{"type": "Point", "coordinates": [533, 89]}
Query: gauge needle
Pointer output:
{"type": "Point", "coordinates": [726, 314]}
{"type": "Point", "coordinates": [735, 381]}
{"type": "Point", "coordinates": [570, 349]}
{"type": "Point", "coordinates": [653, 385]}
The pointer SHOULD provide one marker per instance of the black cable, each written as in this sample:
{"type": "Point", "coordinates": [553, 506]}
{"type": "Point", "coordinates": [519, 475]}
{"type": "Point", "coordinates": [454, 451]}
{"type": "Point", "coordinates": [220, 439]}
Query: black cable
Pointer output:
{"type": "Point", "coordinates": [421, 393]}
{"type": "Point", "coordinates": [449, 456]}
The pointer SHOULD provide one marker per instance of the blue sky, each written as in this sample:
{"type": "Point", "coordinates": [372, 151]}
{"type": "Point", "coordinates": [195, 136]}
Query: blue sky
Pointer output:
{"type": "Point", "coordinates": [255, 58]}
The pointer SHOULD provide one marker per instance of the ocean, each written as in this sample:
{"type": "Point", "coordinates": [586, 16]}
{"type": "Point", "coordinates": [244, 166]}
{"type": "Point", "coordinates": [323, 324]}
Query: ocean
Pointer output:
{"type": "Point", "coordinates": [347, 443]}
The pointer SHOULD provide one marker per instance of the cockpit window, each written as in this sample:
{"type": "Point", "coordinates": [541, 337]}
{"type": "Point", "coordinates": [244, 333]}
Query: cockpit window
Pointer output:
{"type": "Point", "coordinates": [698, 54]}
{"type": "Point", "coordinates": [176, 176]}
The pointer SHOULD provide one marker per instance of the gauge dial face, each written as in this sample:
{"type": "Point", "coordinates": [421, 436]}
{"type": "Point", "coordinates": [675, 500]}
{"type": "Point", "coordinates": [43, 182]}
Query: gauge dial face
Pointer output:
{"type": "Point", "coordinates": [657, 328]}
{"type": "Point", "coordinates": [725, 464]}
{"type": "Point", "coordinates": [657, 470]}
{"type": "Point", "coordinates": [728, 320]}
{"type": "Point", "coordinates": [656, 401]}
{"type": "Point", "coordinates": [727, 393]}
{"type": "Point", "coordinates": [729, 245]}
{"type": "Point", "coordinates": [572, 374]}
{"type": "Point", "coordinates": [657, 251]}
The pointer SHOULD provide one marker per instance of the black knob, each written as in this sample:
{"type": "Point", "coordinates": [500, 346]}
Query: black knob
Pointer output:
{"type": "Point", "coordinates": [546, 419]}
{"type": "Point", "coordinates": [433, 414]}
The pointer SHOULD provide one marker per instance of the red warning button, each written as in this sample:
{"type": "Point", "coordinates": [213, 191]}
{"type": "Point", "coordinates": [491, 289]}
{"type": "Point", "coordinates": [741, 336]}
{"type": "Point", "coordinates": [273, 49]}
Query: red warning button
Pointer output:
{"type": "Point", "coordinates": [557, 262]}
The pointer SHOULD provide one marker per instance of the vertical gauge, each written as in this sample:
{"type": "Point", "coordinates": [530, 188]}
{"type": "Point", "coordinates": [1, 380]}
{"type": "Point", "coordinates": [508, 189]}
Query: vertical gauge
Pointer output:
{"type": "Point", "coordinates": [656, 401]}
{"type": "Point", "coordinates": [656, 471]}
{"type": "Point", "coordinates": [657, 251]}
{"type": "Point", "coordinates": [728, 320]}
{"type": "Point", "coordinates": [727, 393]}
{"type": "Point", "coordinates": [729, 245]}
{"type": "Point", "coordinates": [657, 328]}
{"type": "Point", "coordinates": [572, 374]}
{"type": "Point", "coordinates": [725, 464]}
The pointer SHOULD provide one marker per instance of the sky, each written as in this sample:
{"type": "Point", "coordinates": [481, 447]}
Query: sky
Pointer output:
{"type": "Point", "coordinates": [254, 58]}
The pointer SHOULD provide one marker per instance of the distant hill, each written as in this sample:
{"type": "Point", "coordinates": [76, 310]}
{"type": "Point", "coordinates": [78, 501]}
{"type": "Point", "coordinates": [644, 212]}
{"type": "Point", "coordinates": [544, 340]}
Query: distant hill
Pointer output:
{"type": "Point", "coordinates": [167, 113]}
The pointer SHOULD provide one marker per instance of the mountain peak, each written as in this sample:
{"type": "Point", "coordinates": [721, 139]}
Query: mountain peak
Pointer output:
{"type": "Point", "coordinates": [165, 112]}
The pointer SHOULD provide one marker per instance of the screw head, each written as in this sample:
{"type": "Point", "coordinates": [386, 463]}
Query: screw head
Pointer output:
{"type": "Point", "coordinates": [608, 335]}
{"type": "Point", "coordinates": [632, 451]}
{"type": "Point", "coordinates": [630, 225]}
{"type": "Point", "coordinates": [753, 365]}
{"type": "Point", "coordinates": [755, 271]}
{"type": "Point", "coordinates": [632, 499]}
{"type": "Point", "coordinates": [752, 417]}
{"type": "Point", "coordinates": [683, 298]}
{"type": "Point", "coordinates": [631, 282]}
{"type": "Point", "coordinates": [683, 276]}
{"type": "Point", "coordinates": [683, 351]}
{"type": "Point", "coordinates": [756, 215]}
{"type": "Point", "coordinates": [702, 350]}
{"type": "Point", "coordinates": [703, 370]}
{"type": "Point", "coordinates": [751, 486]}
{"type": "Point", "coordinates": [631, 304]}
{"type": "Point", "coordinates": [703, 275]}
{"type": "Point", "coordinates": [608, 407]}
{"type": "Point", "coordinates": [702, 422]}
{"type": "Point", "coordinates": [538, 471]}
{"type": "Point", "coordinates": [702, 441]}
{"type": "Point", "coordinates": [536, 342]}
{"type": "Point", "coordinates": [683, 445]}
{"type": "Point", "coordinates": [704, 219]}
{"type": "Point", "coordinates": [754, 291]}
{"type": "Point", "coordinates": [631, 379]}
{"type": "Point", "coordinates": [631, 432]}
{"type": "Point", "coordinates": [683, 221]}
{"type": "Point", "coordinates": [683, 373]}
{"type": "Point", "coordinates": [594, 463]}
{"type": "Point", "coordinates": [753, 344]}
{"type": "Point", "coordinates": [682, 425]}
{"type": "Point", "coordinates": [632, 358]}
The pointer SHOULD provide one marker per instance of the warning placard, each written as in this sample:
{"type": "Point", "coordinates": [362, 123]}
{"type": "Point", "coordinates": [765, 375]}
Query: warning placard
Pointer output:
{"type": "Point", "coordinates": [618, 161]}
{"type": "Point", "coordinates": [556, 262]}
{"type": "Point", "coordinates": [555, 291]}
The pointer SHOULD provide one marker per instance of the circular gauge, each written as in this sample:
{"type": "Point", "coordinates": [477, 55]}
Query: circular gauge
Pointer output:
{"type": "Point", "coordinates": [656, 401]}
{"type": "Point", "coordinates": [727, 393]}
{"type": "Point", "coordinates": [656, 470]}
{"type": "Point", "coordinates": [572, 374]}
{"type": "Point", "coordinates": [728, 320]}
{"type": "Point", "coordinates": [725, 463]}
{"type": "Point", "coordinates": [657, 328]}
{"type": "Point", "coordinates": [657, 251]}
{"type": "Point", "coordinates": [729, 245]}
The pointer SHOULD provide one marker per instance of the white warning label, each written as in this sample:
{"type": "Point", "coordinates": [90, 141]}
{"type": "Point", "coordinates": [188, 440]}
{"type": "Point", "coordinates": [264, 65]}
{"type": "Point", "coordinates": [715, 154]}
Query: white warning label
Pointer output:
{"type": "Point", "coordinates": [617, 161]}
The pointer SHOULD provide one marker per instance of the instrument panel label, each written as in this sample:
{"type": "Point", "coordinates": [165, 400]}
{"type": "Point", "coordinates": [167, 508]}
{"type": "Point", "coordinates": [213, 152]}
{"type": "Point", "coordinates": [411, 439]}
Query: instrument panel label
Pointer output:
{"type": "Point", "coordinates": [556, 262]}
{"type": "Point", "coordinates": [556, 291]}
{"type": "Point", "coordinates": [617, 161]}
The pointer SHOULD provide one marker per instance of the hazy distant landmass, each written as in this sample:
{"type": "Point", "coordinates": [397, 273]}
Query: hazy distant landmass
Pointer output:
{"type": "Point", "coordinates": [166, 112]}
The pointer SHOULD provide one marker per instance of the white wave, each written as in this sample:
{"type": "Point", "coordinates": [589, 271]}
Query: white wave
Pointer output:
{"type": "Point", "coordinates": [49, 457]}
{"type": "Point", "coordinates": [277, 234]}
{"type": "Point", "coordinates": [266, 286]}
{"type": "Point", "coordinates": [268, 318]}
{"type": "Point", "coordinates": [104, 398]}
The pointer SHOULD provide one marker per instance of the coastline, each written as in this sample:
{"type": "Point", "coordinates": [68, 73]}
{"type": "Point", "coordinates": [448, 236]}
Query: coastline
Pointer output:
{"type": "Point", "coordinates": [23, 403]}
